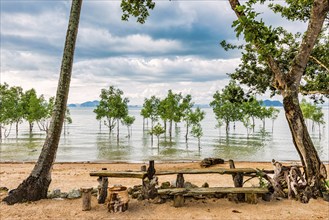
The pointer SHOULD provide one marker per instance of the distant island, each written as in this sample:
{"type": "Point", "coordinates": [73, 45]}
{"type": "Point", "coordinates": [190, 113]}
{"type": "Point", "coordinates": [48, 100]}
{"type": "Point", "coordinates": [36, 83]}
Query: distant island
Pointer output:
{"type": "Point", "coordinates": [94, 103]}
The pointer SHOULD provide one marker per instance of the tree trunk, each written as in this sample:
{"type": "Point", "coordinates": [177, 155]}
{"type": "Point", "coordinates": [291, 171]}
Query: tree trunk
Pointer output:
{"type": "Point", "coordinates": [165, 128]}
{"type": "Point", "coordinates": [31, 127]}
{"type": "Point", "coordinates": [186, 132]}
{"type": "Point", "coordinates": [0, 131]}
{"type": "Point", "coordinates": [170, 130]}
{"type": "Point", "coordinates": [118, 130]}
{"type": "Point", "coordinates": [35, 187]}
{"type": "Point", "coordinates": [227, 128]}
{"type": "Point", "coordinates": [302, 140]}
{"type": "Point", "coordinates": [17, 128]}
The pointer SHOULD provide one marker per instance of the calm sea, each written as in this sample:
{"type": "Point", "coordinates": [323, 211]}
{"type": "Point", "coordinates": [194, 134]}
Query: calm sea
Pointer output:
{"type": "Point", "coordinates": [86, 141]}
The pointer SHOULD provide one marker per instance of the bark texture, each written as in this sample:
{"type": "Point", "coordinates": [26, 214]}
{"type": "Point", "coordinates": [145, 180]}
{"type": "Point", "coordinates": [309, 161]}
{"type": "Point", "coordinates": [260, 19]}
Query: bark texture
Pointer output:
{"type": "Point", "coordinates": [35, 187]}
{"type": "Point", "coordinates": [289, 83]}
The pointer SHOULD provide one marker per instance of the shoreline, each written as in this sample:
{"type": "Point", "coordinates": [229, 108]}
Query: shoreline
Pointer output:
{"type": "Point", "coordinates": [68, 176]}
{"type": "Point", "coordinates": [143, 162]}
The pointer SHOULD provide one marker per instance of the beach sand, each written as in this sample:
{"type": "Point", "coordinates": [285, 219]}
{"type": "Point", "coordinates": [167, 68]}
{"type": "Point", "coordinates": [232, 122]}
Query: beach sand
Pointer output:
{"type": "Point", "coordinates": [68, 176]}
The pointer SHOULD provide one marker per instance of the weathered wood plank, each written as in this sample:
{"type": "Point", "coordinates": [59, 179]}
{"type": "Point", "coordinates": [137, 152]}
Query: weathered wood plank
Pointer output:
{"type": "Point", "coordinates": [209, 171]}
{"type": "Point", "coordinates": [211, 190]}
{"type": "Point", "coordinates": [140, 174]}
{"type": "Point", "coordinates": [119, 174]}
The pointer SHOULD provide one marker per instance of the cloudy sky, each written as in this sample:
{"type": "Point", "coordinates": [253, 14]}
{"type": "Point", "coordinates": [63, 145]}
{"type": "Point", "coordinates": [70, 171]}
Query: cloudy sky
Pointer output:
{"type": "Point", "coordinates": [177, 48]}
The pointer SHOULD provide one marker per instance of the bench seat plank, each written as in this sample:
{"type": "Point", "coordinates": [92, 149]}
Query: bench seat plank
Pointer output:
{"type": "Point", "coordinates": [118, 174]}
{"type": "Point", "coordinates": [212, 190]}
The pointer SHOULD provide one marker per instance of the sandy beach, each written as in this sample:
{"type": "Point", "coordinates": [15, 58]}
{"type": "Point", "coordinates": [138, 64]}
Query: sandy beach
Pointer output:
{"type": "Point", "coordinates": [68, 176]}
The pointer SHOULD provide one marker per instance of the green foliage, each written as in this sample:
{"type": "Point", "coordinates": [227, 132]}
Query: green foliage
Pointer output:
{"type": "Point", "coordinates": [136, 8]}
{"type": "Point", "coordinates": [227, 105]}
{"type": "Point", "coordinates": [35, 108]}
{"type": "Point", "coordinates": [112, 106]}
{"type": "Point", "coordinates": [265, 43]}
{"type": "Point", "coordinates": [150, 108]}
{"type": "Point", "coordinates": [170, 109]}
{"type": "Point", "coordinates": [312, 112]}
{"type": "Point", "coordinates": [157, 130]}
{"type": "Point", "coordinates": [197, 132]}
{"type": "Point", "coordinates": [11, 106]}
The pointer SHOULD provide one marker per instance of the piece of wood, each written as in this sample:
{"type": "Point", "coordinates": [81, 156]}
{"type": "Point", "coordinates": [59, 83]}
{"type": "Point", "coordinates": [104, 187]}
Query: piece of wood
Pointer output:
{"type": "Point", "coordinates": [210, 171]}
{"type": "Point", "coordinates": [180, 181]}
{"type": "Point", "coordinates": [86, 198]}
{"type": "Point", "coordinates": [238, 181]}
{"type": "Point", "coordinates": [211, 190]}
{"type": "Point", "coordinates": [102, 189]}
{"type": "Point", "coordinates": [179, 200]}
{"type": "Point", "coordinates": [119, 174]}
{"type": "Point", "coordinates": [149, 190]}
{"type": "Point", "coordinates": [118, 199]}
{"type": "Point", "coordinates": [140, 175]}
{"type": "Point", "coordinates": [151, 170]}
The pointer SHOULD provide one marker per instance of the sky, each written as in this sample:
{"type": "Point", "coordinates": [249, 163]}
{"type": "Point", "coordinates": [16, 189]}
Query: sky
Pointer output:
{"type": "Point", "coordinates": [177, 48]}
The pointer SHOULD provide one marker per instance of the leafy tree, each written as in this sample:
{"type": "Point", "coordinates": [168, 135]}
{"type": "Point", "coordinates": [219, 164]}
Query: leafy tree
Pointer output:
{"type": "Point", "coordinates": [35, 108]}
{"type": "Point", "coordinates": [251, 109]}
{"type": "Point", "coordinates": [17, 113]}
{"type": "Point", "coordinates": [192, 118]}
{"type": "Point", "coordinates": [197, 132]}
{"type": "Point", "coordinates": [128, 121]}
{"type": "Point", "coordinates": [274, 113]}
{"type": "Point", "coordinates": [150, 110]}
{"type": "Point", "coordinates": [157, 130]}
{"type": "Point", "coordinates": [67, 120]}
{"type": "Point", "coordinates": [227, 105]}
{"type": "Point", "coordinates": [4, 116]}
{"type": "Point", "coordinates": [47, 107]}
{"type": "Point", "coordinates": [11, 108]}
{"type": "Point", "coordinates": [278, 60]}
{"type": "Point", "coordinates": [313, 113]}
{"type": "Point", "coordinates": [112, 106]}
{"type": "Point", "coordinates": [169, 110]}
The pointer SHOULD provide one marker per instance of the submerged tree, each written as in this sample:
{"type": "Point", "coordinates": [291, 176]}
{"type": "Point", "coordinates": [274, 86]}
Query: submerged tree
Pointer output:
{"type": "Point", "coordinates": [112, 106]}
{"type": "Point", "coordinates": [227, 105]}
{"type": "Point", "coordinates": [276, 59]}
{"type": "Point", "coordinates": [157, 130]}
{"type": "Point", "coordinates": [128, 121]}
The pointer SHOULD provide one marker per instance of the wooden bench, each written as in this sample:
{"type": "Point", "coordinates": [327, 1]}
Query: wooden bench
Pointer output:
{"type": "Point", "coordinates": [248, 194]}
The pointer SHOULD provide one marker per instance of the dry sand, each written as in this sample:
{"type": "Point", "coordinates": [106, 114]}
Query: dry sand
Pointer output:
{"type": "Point", "coordinates": [67, 176]}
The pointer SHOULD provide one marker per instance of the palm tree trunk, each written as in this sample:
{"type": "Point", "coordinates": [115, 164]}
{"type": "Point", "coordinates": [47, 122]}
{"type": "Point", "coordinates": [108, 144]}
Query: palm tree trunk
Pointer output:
{"type": "Point", "coordinates": [35, 187]}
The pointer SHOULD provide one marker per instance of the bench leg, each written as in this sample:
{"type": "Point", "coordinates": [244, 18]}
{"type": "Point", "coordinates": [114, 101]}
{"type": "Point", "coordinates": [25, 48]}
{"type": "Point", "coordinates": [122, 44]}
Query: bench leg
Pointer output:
{"type": "Point", "coordinates": [178, 200]}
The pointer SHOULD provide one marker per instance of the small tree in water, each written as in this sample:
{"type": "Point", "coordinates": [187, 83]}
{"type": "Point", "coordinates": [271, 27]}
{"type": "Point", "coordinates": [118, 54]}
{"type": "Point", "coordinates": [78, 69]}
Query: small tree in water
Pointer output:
{"type": "Point", "coordinates": [157, 130]}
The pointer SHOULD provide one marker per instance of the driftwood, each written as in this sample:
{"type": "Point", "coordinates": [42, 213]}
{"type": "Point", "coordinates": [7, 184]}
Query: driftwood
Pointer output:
{"type": "Point", "coordinates": [102, 188]}
{"type": "Point", "coordinates": [288, 182]}
{"type": "Point", "coordinates": [207, 162]}
{"type": "Point", "coordinates": [86, 198]}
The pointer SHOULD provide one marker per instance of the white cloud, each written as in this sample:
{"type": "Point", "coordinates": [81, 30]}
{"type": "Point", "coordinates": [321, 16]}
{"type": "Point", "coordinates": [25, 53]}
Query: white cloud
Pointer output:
{"type": "Point", "coordinates": [103, 40]}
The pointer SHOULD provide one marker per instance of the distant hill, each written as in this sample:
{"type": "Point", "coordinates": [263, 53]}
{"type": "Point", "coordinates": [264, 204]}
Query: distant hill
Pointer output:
{"type": "Point", "coordinates": [95, 103]}
{"type": "Point", "coordinates": [90, 104]}
{"type": "Point", "coordinates": [274, 103]}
